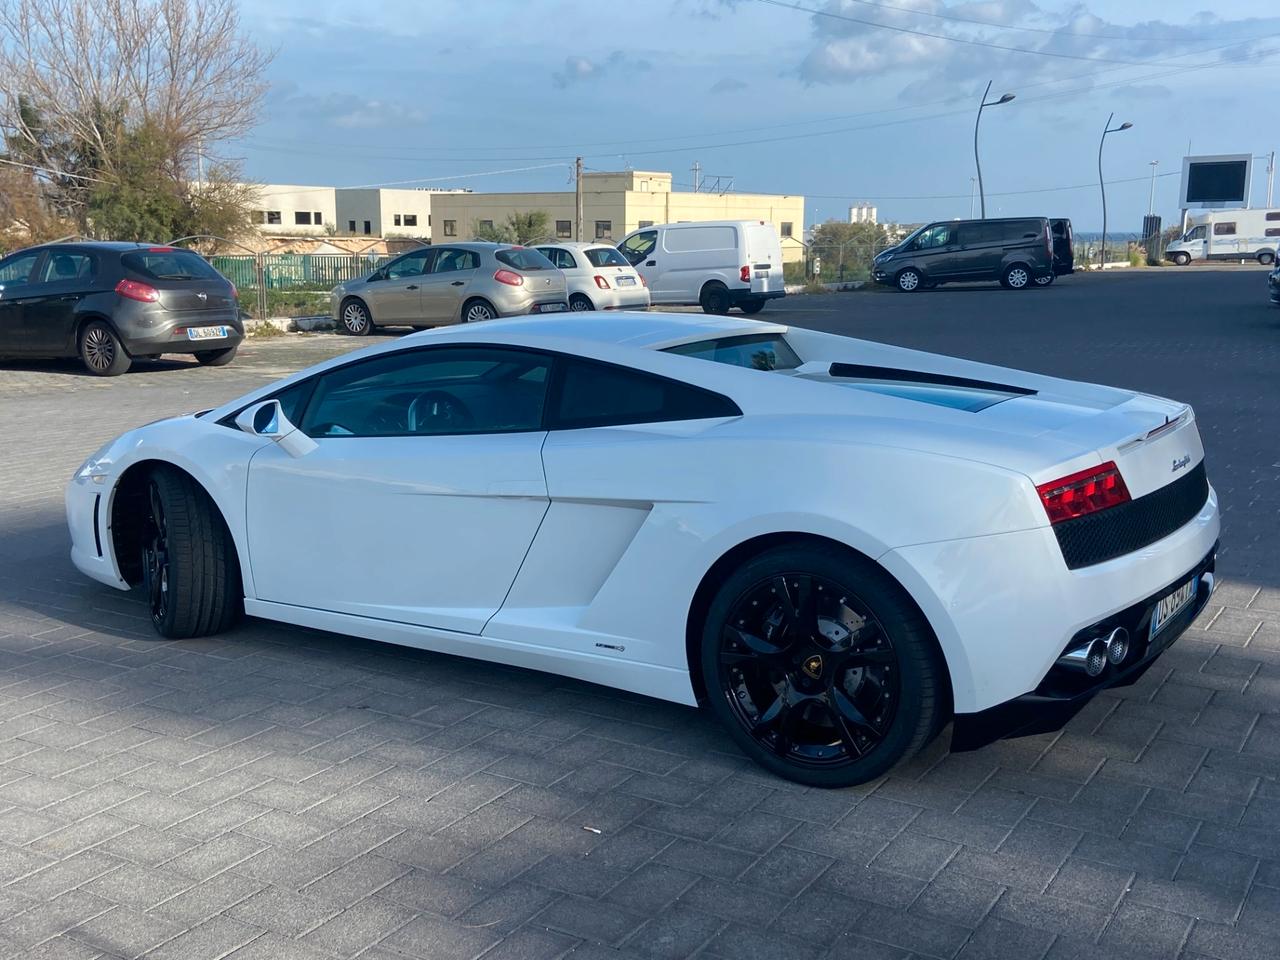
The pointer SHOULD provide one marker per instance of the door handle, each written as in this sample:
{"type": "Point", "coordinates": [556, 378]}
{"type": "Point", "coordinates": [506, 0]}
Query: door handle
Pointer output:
{"type": "Point", "coordinates": [458, 283]}
{"type": "Point", "coordinates": [652, 263]}
{"type": "Point", "coordinates": [412, 286]}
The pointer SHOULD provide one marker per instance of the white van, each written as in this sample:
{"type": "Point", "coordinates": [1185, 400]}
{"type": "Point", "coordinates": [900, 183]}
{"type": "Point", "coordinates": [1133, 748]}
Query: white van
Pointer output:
{"type": "Point", "coordinates": [1228, 235]}
{"type": "Point", "coordinates": [717, 264]}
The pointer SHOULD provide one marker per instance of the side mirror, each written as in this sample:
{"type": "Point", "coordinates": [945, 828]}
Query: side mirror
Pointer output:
{"type": "Point", "coordinates": [267, 420]}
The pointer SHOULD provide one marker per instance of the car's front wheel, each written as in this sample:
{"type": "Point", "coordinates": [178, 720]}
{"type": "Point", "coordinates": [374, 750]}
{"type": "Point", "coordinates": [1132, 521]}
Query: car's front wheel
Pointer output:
{"type": "Point", "coordinates": [191, 574]}
{"type": "Point", "coordinates": [1180, 258]}
{"type": "Point", "coordinates": [356, 319]}
{"type": "Point", "coordinates": [820, 666]}
{"type": "Point", "coordinates": [909, 280]}
{"type": "Point", "coordinates": [101, 351]}
{"type": "Point", "coordinates": [216, 358]}
{"type": "Point", "coordinates": [1016, 277]}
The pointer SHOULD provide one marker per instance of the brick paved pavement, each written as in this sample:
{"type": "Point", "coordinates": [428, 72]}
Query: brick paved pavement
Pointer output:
{"type": "Point", "coordinates": [280, 793]}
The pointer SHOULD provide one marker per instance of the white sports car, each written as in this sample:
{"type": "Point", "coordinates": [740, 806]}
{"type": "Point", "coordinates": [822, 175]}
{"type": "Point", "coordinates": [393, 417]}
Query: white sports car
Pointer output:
{"type": "Point", "coordinates": [837, 546]}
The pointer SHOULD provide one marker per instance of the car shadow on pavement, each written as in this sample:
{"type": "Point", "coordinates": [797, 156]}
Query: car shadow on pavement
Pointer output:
{"type": "Point", "coordinates": [75, 368]}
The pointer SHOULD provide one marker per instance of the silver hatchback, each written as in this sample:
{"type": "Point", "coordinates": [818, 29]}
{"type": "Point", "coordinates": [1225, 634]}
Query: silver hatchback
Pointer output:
{"type": "Point", "coordinates": [450, 283]}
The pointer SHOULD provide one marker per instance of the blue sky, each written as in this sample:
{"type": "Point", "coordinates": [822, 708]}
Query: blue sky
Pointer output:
{"type": "Point", "coordinates": [785, 101]}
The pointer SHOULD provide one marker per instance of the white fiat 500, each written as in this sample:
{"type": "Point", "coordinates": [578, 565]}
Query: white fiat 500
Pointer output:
{"type": "Point", "coordinates": [837, 546]}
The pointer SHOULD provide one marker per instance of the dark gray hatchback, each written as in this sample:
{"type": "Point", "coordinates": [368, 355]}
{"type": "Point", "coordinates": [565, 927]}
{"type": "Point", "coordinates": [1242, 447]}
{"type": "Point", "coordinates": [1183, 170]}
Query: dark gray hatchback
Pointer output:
{"type": "Point", "coordinates": [108, 303]}
{"type": "Point", "coordinates": [1016, 252]}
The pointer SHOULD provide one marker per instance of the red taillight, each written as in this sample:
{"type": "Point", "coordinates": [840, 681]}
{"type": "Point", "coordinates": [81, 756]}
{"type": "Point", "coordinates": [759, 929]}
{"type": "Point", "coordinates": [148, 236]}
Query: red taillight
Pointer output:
{"type": "Point", "coordinates": [601, 282]}
{"type": "Point", "coordinates": [1098, 488]}
{"type": "Point", "coordinates": [745, 274]}
{"type": "Point", "coordinates": [138, 291]}
{"type": "Point", "coordinates": [235, 294]}
{"type": "Point", "coordinates": [509, 278]}
{"type": "Point", "coordinates": [643, 282]}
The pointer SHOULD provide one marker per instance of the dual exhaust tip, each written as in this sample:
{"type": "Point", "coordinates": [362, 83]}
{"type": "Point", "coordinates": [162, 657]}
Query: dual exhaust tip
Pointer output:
{"type": "Point", "coordinates": [1092, 658]}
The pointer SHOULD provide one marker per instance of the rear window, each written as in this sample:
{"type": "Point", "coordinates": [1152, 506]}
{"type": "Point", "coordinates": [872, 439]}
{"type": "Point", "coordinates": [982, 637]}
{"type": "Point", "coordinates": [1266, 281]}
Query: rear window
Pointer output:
{"type": "Point", "coordinates": [601, 395]}
{"type": "Point", "coordinates": [524, 258]}
{"type": "Point", "coordinates": [764, 351]}
{"type": "Point", "coordinates": [606, 257]}
{"type": "Point", "coordinates": [158, 264]}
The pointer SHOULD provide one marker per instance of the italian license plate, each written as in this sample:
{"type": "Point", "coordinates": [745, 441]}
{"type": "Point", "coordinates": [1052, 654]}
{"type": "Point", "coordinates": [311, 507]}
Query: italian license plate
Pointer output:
{"type": "Point", "coordinates": [1170, 606]}
{"type": "Point", "coordinates": [550, 307]}
{"type": "Point", "coordinates": [626, 281]}
{"type": "Point", "coordinates": [206, 333]}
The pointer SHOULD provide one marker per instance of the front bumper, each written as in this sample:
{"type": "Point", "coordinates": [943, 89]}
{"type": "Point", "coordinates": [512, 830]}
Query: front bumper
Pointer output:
{"type": "Point", "coordinates": [1062, 694]}
{"type": "Point", "coordinates": [88, 503]}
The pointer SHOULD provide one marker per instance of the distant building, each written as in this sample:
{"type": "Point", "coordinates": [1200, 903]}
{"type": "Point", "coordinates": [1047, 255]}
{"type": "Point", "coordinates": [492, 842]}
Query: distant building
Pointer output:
{"type": "Point", "coordinates": [862, 213]}
{"type": "Point", "coordinates": [294, 210]}
{"type": "Point", "coordinates": [614, 204]}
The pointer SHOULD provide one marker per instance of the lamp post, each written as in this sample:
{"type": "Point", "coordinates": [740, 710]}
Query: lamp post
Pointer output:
{"type": "Point", "coordinates": [1102, 253]}
{"type": "Point", "coordinates": [982, 198]}
{"type": "Point", "coordinates": [1151, 197]}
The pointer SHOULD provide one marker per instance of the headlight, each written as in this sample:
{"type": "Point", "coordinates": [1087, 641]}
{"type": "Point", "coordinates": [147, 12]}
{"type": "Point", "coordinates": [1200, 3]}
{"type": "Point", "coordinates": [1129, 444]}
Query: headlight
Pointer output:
{"type": "Point", "coordinates": [90, 468]}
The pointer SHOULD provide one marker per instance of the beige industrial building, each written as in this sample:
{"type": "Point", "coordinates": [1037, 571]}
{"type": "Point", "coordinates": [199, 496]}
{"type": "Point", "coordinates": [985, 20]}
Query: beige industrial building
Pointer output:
{"type": "Point", "coordinates": [294, 210]}
{"type": "Point", "coordinates": [614, 204]}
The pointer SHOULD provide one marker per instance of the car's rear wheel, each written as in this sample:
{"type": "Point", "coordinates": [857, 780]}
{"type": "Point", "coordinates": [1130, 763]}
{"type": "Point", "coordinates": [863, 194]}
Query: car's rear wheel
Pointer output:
{"type": "Point", "coordinates": [475, 311]}
{"type": "Point", "coordinates": [1180, 258]}
{"type": "Point", "coordinates": [101, 351]}
{"type": "Point", "coordinates": [1016, 277]}
{"type": "Point", "coordinates": [909, 280]}
{"type": "Point", "coordinates": [1266, 257]}
{"type": "Point", "coordinates": [820, 666]}
{"type": "Point", "coordinates": [714, 298]}
{"type": "Point", "coordinates": [1045, 280]}
{"type": "Point", "coordinates": [216, 358]}
{"type": "Point", "coordinates": [356, 319]}
{"type": "Point", "coordinates": [580, 302]}
{"type": "Point", "coordinates": [191, 574]}
{"type": "Point", "coordinates": [752, 307]}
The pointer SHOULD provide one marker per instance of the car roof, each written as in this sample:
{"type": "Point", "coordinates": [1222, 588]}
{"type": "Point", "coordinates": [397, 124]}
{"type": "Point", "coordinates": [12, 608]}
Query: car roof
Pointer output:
{"type": "Point", "coordinates": [105, 245]}
{"type": "Point", "coordinates": [651, 331]}
{"type": "Point", "coordinates": [577, 244]}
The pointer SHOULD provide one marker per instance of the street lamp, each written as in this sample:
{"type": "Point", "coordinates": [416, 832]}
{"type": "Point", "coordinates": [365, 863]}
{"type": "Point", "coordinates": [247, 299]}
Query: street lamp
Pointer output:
{"type": "Point", "coordinates": [1151, 197]}
{"type": "Point", "coordinates": [978, 162]}
{"type": "Point", "coordinates": [1102, 253]}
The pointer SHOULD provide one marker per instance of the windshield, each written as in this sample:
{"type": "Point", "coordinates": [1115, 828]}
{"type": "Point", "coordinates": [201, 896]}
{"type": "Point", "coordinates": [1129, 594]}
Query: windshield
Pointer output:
{"type": "Point", "coordinates": [523, 258]}
{"type": "Point", "coordinates": [171, 264]}
{"type": "Point", "coordinates": [761, 351]}
{"type": "Point", "coordinates": [1195, 233]}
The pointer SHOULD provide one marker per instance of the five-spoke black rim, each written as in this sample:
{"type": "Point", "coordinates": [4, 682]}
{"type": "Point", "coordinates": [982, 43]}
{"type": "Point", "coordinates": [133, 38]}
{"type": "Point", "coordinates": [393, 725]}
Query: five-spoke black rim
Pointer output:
{"type": "Point", "coordinates": [808, 670]}
{"type": "Point", "coordinates": [155, 556]}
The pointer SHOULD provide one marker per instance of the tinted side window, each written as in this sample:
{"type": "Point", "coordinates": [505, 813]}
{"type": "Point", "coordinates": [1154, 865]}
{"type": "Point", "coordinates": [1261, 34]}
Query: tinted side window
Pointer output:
{"type": "Point", "coordinates": [975, 233]}
{"type": "Point", "coordinates": [410, 265]}
{"type": "Point", "coordinates": [17, 269]}
{"type": "Point", "coordinates": [600, 395]}
{"type": "Point", "coordinates": [62, 267]}
{"type": "Point", "coordinates": [452, 260]}
{"type": "Point", "coordinates": [1018, 230]}
{"type": "Point", "coordinates": [443, 390]}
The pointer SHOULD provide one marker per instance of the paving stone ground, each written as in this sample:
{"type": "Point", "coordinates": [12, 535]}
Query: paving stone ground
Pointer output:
{"type": "Point", "coordinates": [278, 793]}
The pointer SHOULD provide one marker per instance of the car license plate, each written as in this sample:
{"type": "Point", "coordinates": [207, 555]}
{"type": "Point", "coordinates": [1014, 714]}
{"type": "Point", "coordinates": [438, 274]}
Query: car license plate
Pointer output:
{"type": "Point", "coordinates": [549, 308]}
{"type": "Point", "coordinates": [1169, 607]}
{"type": "Point", "coordinates": [626, 281]}
{"type": "Point", "coordinates": [206, 333]}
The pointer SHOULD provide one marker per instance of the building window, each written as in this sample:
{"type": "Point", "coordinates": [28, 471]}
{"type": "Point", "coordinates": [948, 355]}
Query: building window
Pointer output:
{"type": "Point", "coordinates": [397, 219]}
{"type": "Point", "coordinates": [786, 228]}
{"type": "Point", "coordinates": [645, 223]}
{"type": "Point", "coordinates": [351, 226]}
{"type": "Point", "coordinates": [1224, 229]}
{"type": "Point", "coordinates": [302, 218]}
{"type": "Point", "coordinates": [604, 229]}
{"type": "Point", "coordinates": [486, 224]}
{"type": "Point", "coordinates": [410, 219]}
{"type": "Point", "coordinates": [317, 219]}
{"type": "Point", "coordinates": [451, 228]}
{"type": "Point", "coordinates": [273, 216]}
{"type": "Point", "coordinates": [564, 229]}
{"type": "Point", "coordinates": [368, 228]}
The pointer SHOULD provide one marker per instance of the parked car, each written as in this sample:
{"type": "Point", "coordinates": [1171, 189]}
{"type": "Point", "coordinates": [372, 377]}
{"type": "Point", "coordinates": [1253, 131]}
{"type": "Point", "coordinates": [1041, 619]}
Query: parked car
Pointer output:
{"type": "Point", "coordinates": [717, 264]}
{"type": "Point", "coordinates": [598, 277]}
{"type": "Point", "coordinates": [109, 303]}
{"type": "Point", "coordinates": [450, 283]}
{"type": "Point", "coordinates": [1228, 235]}
{"type": "Point", "coordinates": [1016, 252]}
{"type": "Point", "coordinates": [837, 545]}
{"type": "Point", "coordinates": [1064, 255]}
{"type": "Point", "coordinates": [1273, 283]}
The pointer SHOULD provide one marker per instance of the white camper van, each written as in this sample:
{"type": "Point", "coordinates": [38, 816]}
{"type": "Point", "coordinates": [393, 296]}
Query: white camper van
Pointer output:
{"type": "Point", "coordinates": [1228, 235]}
{"type": "Point", "coordinates": [717, 264]}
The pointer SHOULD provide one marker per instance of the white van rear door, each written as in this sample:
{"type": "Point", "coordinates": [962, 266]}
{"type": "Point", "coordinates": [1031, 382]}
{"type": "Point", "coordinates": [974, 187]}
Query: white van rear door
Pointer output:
{"type": "Point", "coordinates": [764, 254]}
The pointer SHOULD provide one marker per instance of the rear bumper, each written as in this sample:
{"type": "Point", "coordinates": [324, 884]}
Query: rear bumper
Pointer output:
{"type": "Point", "coordinates": [620, 298]}
{"type": "Point", "coordinates": [172, 337]}
{"type": "Point", "coordinates": [1061, 694]}
{"type": "Point", "coordinates": [743, 294]}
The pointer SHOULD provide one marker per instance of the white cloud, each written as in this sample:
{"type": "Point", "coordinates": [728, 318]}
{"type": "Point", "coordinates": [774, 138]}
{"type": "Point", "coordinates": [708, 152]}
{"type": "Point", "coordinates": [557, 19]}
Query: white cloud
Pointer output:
{"type": "Point", "coordinates": [577, 69]}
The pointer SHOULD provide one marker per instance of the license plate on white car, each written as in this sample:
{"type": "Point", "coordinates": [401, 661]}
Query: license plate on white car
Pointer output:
{"type": "Point", "coordinates": [626, 281]}
{"type": "Point", "coordinates": [206, 333]}
{"type": "Point", "coordinates": [1170, 606]}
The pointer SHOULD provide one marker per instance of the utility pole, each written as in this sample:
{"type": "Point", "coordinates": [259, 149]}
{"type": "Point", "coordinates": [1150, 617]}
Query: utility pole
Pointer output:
{"type": "Point", "coordinates": [577, 179]}
{"type": "Point", "coordinates": [1151, 196]}
{"type": "Point", "coordinates": [973, 194]}
{"type": "Point", "coordinates": [697, 176]}
{"type": "Point", "coordinates": [1271, 175]}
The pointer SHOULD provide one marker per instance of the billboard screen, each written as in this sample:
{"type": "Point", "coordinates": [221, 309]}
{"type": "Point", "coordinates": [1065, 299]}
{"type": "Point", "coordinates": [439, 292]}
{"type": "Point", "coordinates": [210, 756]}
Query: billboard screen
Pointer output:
{"type": "Point", "coordinates": [1217, 181]}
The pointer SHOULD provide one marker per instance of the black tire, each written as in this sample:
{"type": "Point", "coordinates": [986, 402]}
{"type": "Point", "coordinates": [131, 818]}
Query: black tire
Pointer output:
{"type": "Point", "coordinates": [1016, 277]}
{"type": "Point", "coordinates": [477, 311]}
{"type": "Point", "coordinates": [191, 573]}
{"type": "Point", "coordinates": [1266, 258]}
{"type": "Point", "coordinates": [580, 302]}
{"type": "Point", "coordinates": [354, 318]}
{"type": "Point", "coordinates": [101, 351]}
{"type": "Point", "coordinates": [1181, 258]}
{"type": "Point", "coordinates": [805, 680]}
{"type": "Point", "coordinates": [714, 298]}
{"type": "Point", "coordinates": [216, 358]}
{"type": "Point", "coordinates": [752, 307]}
{"type": "Point", "coordinates": [909, 280]}
{"type": "Point", "coordinates": [1045, 281]}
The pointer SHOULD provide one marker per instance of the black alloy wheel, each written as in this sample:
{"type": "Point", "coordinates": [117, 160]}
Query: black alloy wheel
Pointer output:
{"type": "Point", "coordinates": [821, 667]}
{"type": "Point", "coordinates": [155, 557]}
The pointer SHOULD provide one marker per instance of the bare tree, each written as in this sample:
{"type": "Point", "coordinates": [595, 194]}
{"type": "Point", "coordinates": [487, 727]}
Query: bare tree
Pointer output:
{"type": "Point", "coordinates": [76, 77]}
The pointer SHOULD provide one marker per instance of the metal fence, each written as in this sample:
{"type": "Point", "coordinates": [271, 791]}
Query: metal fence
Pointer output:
{"type": "Point", "coordinates": [282, 271]}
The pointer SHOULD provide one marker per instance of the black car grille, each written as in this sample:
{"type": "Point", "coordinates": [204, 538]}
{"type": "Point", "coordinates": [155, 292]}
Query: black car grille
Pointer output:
{"type": "Point", "coordinates": [1112, 533]}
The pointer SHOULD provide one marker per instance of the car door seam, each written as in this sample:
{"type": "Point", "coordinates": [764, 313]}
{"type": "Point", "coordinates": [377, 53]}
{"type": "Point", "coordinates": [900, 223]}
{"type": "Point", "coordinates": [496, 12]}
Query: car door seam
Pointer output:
{"type": "Point", "coordinates": [532, 540]}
